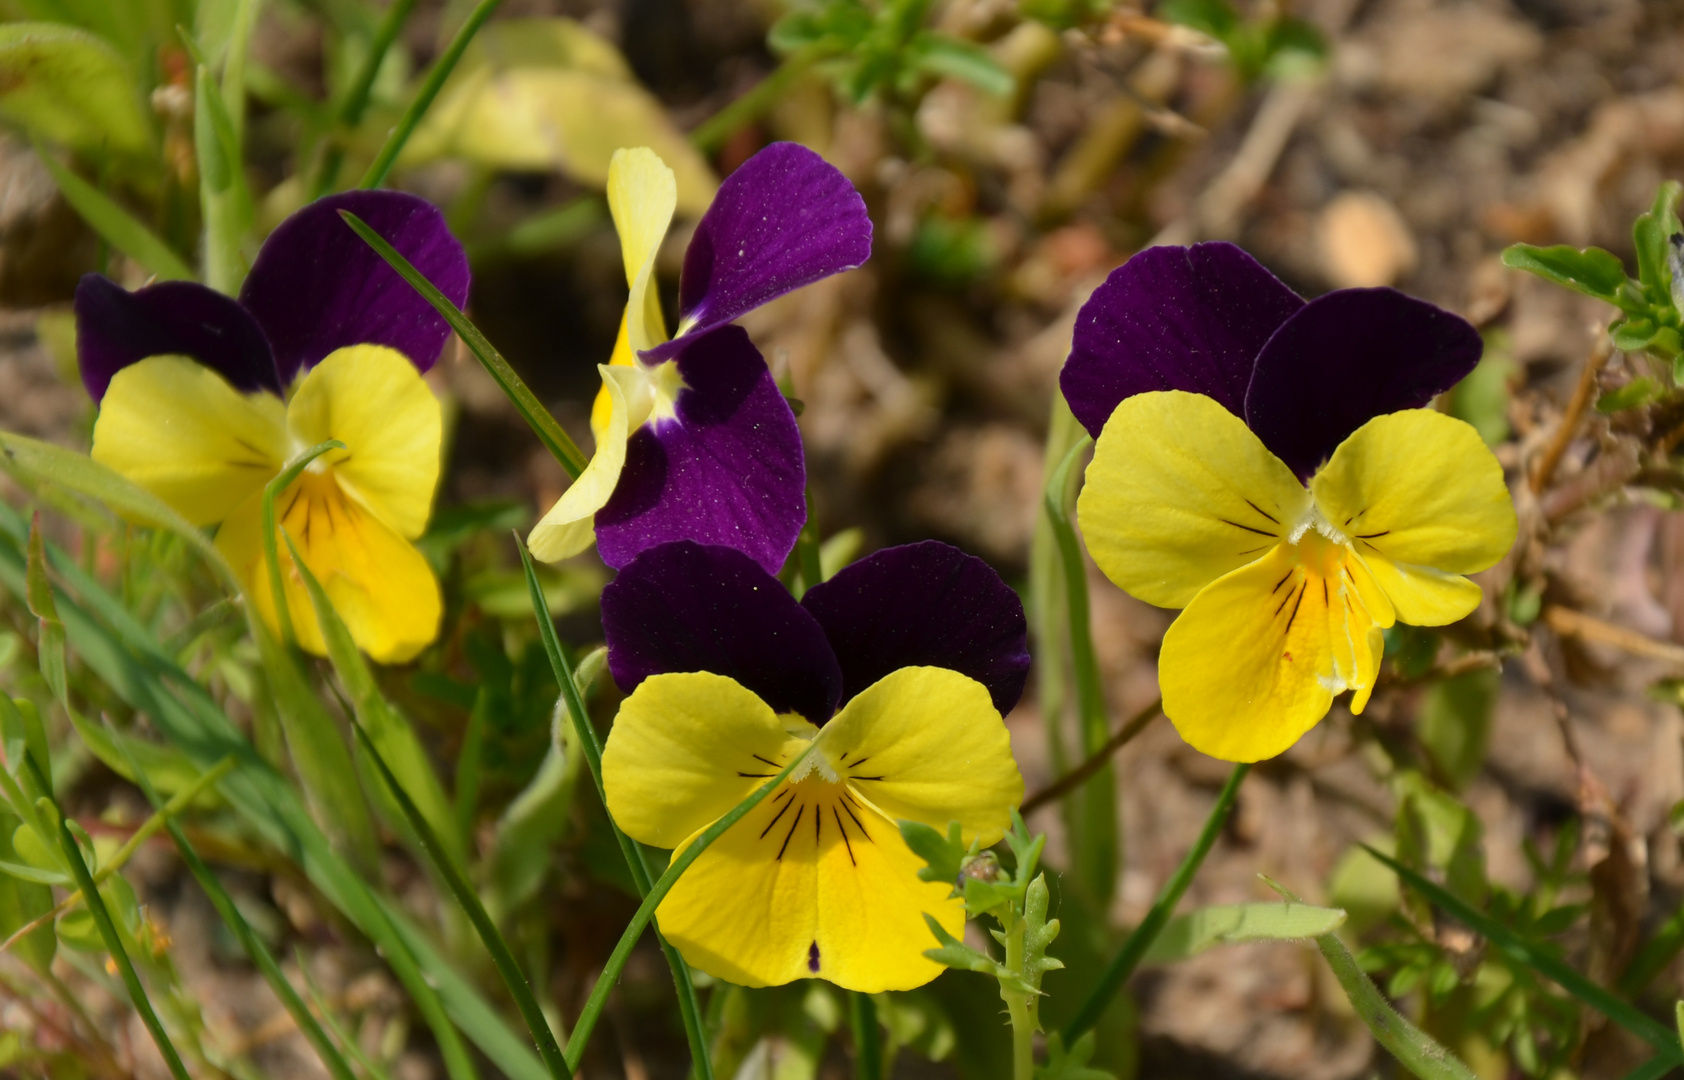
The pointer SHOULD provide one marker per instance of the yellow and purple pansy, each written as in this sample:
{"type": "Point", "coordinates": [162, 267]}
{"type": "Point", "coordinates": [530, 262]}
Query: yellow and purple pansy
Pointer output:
{"type": "Point", "coordinates": [204, 398]}
{"type": "Point", "coordinates": [1268, 465]}
{"type": "Point", "coordinates": [693, 439]}
{"type": "Point", "coordinates": [900, 668]}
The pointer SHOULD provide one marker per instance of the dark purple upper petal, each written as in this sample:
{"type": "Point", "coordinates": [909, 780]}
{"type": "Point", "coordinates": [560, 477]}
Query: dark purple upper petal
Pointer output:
{"type": "Point", "coordinates": [925, 604]}
{"type": "Point", "coordinates": [316, 286]}
{"type": "Point", "coordinates": [1346, 358]}
{"type": "Point", "coordinates": [784, 219]}
{"type": "Point", "coordinates": [685, 607]}
{"type": "Point", "coordinates": [1173, 318]}
{"type": "Point", "coordinates": [116, 328]}
{"type": "Point", "coordinates": [726, 469]}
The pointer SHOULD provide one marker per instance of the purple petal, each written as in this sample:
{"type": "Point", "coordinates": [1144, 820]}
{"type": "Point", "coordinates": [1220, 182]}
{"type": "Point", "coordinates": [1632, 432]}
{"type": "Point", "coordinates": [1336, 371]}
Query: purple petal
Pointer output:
{"type": "Point", "coordinates": [317, 286]}
{"type": "Point", "coordinates": [784, 219]}
{"type": "Point", "coordinates": [1173, 318]}
{"type": "Point", "coordinates": [727, 469]}
{"type": "Point", "coordinates": [116, 328]}
{"type": "Point", "coordinates": [925, 604]}
{"type": "Point", "coordinates": [684, 607]}
{"type": "Point", "coordinates": [1346, 358]}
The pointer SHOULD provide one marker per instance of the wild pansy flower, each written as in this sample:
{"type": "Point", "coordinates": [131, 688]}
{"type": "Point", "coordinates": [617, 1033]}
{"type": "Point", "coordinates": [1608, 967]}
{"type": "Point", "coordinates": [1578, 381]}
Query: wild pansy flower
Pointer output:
{"type": "Point", "coordinates": [204, 398]}
{"type": "Point", "coordinates": [693, 439]}
{"type": "Point", "coordinates": [1265, 464]}
{"type": "Point", "coordinates": [900, 668]}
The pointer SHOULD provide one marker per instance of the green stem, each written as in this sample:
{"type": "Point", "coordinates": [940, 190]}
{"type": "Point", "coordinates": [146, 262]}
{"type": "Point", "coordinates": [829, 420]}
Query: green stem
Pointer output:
{"type": "Point", "coordinates": [376, 174]}
{"type": "Point", "coordinates": [1017, 1003]}
{"type": "Point", "coordinates": [868, 1042]}
{"type": "Point", "coordinates": [234, 68]}
{"type": "Point", "coordinates": [712, 132]}
{"type": "Point", "coordinates": [1127, 958]}
{"type": "Point", "coordinates": [1090, 690]}
{"type": "Point", "coordinates": [350, 111]}
{"type": "Point", "coordinates": [688, 1005]}
{"type": "Point", "coordinates": [107, 928]}
{"type": "Point", "coordinates": [271, 547]}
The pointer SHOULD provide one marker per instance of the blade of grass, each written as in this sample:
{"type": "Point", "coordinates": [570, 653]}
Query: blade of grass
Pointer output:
{"type": "Point", "coordinates": [234, 67]}
{"type": "Point", "coordinates": [446, 860]}
{"type": "Point", "coordinates": [350, 1044]}
{"type": "Point", "coordinates": [446, 63]}
{"type": "Point", "coordinates": [271, 546]}
{"type": "Point", "coordinates": [688, 1005]}
{"type": "Point", "coordinates": [115, 225]}
{"type": "Point", "coordinates": [121, 653]}
{"type": "Point", "coordinates": [1653, 1069]}
{"type": "Point", "coordinates": [351, 106]}
{"type": "Point", "coordinates": [108, 929]}
{"type": "Point", "coordinates": [538, 418]}
{"type": "Point", "coordinates": [236, 923]}
{"type": "Point", "coordinates": [1134, 948]}
{"type": "Point", "coordinates": [634, 930]}
{"type": "Point", "coordinates": [1541, 961]}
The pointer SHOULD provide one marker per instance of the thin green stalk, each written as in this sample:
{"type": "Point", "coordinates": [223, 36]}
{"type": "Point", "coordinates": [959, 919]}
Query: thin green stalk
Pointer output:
{"type": "Point", "coordinates": [1653, 1069]}
{"type": "Point", "coordinates": [1544, 962]}
{"type": "Point", "coordinates": [376, 174]}
{"type": "Point", "coordinates": [234, 68]}
{"type": "Point", "coordinates": [351, 106]}
{"type": "Point", "coordinates": [1017, 1005]}
{"type": "Point", "coordinates": [107, 928]}
{"type": "Point", "coordinates": [1655, 954]}
{"type": "Point", "coordinates": [515, 979]}
{"type": "Point", "coordinates": [1127, 958]}
{"type": "Point", "coordinates": [622, 952]}
{"type": "Point", "coordinates": [224, 904]}
{"type": "Point", "coordinates": [688, 1006]}
{"type": "Point", "coordinates": [271, 548]}
{"type": "Point", "coordinates": [711, 133]}
{"type": "Point", "coordinates": [538, 418]}
{"type": "Point", "coordinates": [868, 1041]}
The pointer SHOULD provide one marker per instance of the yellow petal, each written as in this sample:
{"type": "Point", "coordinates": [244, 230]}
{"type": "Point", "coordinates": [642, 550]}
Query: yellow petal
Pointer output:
{"type": "Point", "coordinates": [378, 582]}
{"type": "Point", "coordinates": [684, 749]}
{"type": "Point", "coordinates": [1422, 596]}
{"type": "Point", "coordinates": [811, 883]}
{"type": "Point", "coordinates": [1257, 657]}
{"type": "Point", "coordinates": [1421, 490]}
{"type": "Point", "coordinates": [1181, 492]}
{"type": "Point", "coordinates": [602, 409]}
{"type": "Point", "coordinates": [176, 428]}
{"type": "Point", "coordinates": [569, 527]}
{"type": "Point", "coordinates": [642, 195]}
{"type": "Point", "coordinates": [925, 743]}
{"type": "Point", "coordinates": [373, 400]}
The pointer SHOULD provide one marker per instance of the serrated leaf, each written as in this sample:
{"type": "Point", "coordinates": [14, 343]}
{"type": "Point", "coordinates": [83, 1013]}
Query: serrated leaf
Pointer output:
{"type": "Point", "coordinates": [1592, 271]}
{"type": "Point", "coordinates": [944, 855]}
{"type": "Point", "coordinates": [66, 86]}
{"type": "Point", "coordinates": [1228, 924]}
{"type": "Point", "coordinates": [954, 953]}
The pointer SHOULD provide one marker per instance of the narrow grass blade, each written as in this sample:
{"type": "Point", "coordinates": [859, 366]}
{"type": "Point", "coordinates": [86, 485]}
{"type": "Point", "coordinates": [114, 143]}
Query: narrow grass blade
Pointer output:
{"type": "Point", "coordinates": [688, 1005]}
{"type": "Point", "coordinates": [236, 923]}
{"type": "Point", "coordinates": [108, 929]}
{"type": "Point", "coordinates": [555, 440]}
{"type": "Point", "coordinates": [519, 988]}
{"type": "Point", "coordinates": [1653, 1069]}
{"type": "Point", "coordinates": [271, 550]}
{"type": "Point", "coordinates": [1227, 924]}
{"type": "Point", "coordinates": [351, 106]}
{"type": "Point", "coordinates": [681, 862]}
{"type": "Point", "coordinates": [121, 652]}
{"type": "Point", "coordinates": [446, 63]}
{"type": "Point", "coordinates": [224, 199]}
{"type": "Point", "coordinates": [1129, 956]}
{"type": "Point", "coordinates": [115, 225]}
{"type": "Point", "coordinates": [1545, 963]}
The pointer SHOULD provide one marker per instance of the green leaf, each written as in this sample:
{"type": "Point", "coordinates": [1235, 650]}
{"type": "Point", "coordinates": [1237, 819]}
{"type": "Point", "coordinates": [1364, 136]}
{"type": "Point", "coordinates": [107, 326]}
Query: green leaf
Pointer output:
{"type": "Point", "coordinates": [1632, 335]}
{"type": "Point", "coordinates": [49, 647]}
{"type": "Point", "coordinates": [1482, 398]}
{"type": "Point", "coordinates": [115, 225]}
{"type": "Point", "coordinates": [21, 903]}
{"type": "Point", "coordinates": [224, 199]}
{"type": "Point", "coordinates": [1215, 18]}
{"type": "Point", "coordinates": [954, 58]}
{"type": "Point", "coordinates": [1228, 924]}
{"type": "Point", "coordinates": [1071, 1064]}
{"type": "Point", "coordinates": [386, 729]}
{"type": "Point", "coordinates": [956, 954]}
{"type": "Point", "coordinates": [1649, 234]}
{"type": "Point", "coordinates": [66, 86]}
{"type": "Point", "coordinates": [1593, 271]}
{"type": "Point", "coordinates": [534, 819]}
{"type": "Point", "coordinates": [944, 856]}
{"type": "Point", "coordinates": [1636, 393]}
{"type": "Point", "coordinates": [1455, 723]}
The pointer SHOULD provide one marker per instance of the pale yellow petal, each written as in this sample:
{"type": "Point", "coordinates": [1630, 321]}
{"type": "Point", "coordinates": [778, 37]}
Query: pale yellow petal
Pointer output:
{"type": "Point", "coordinates": [684, 749]}
{"type": "Point", "coordinates": [1180, 492]}
{"type": "Point", "coordinates": [179, 430]}
{"type": "Point", "coordinates": [373, 400]}
{"type": "Point", "coordinates": [642, 194]}
{"type": "Point", "coordinates": [569, 527]}
{"type": "Point", "coordinates": [926, 744]}
{"type": "Point", "coordinates": [1422, 596]}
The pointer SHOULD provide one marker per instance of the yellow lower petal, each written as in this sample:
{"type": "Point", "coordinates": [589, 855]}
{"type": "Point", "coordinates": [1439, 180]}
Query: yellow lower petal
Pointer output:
{"type": "Point", "coordinates": [926, 744]}
{"type": "Point", "coordinates": [380, 585]}
{"type": "Point", "coordinates": [684, 749]}
{"type": "Point", "coordinates": [810, 884]}
{"type": "Point", "coordinates": [1256, 659]}
{"type": "Point", "coordinates": [179, 430]}
{"type": "Point", "coordinates": [373, 400]}
{"type": "Point", "coordinates": [569, 527]}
